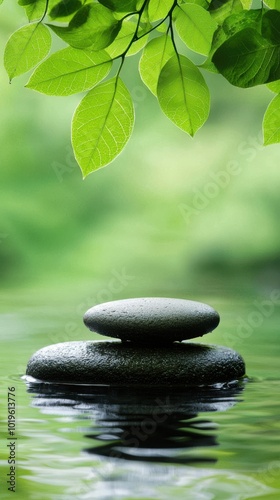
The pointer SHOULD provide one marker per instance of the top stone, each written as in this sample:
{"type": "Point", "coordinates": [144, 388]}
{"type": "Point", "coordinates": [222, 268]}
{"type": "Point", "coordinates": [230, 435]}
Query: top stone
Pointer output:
{"type": "Point", "coordinates": [151, 320]}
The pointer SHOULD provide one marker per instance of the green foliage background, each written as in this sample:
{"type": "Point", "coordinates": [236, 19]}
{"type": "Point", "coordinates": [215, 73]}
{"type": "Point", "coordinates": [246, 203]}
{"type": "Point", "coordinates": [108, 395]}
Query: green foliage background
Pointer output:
{"type": "Point", "coordinates": [141, 213]}
{"type": "Point", "coordinates": [236, 38]}
{"type": "Point", "coordinates": [176, 216]}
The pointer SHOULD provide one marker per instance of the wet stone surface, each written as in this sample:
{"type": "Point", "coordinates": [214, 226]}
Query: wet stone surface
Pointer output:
{"type": "Point", "coordinates": [125, 364]}
{"type": "Point", "coordinates": [152, 320]}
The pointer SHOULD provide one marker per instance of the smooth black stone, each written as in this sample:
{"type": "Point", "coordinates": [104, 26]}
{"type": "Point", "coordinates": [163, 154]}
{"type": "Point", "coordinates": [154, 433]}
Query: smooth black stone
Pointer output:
{"type": "Point", "coordinates": [150, 320]}
{"type": "Point", "coordinates": [125, 364]}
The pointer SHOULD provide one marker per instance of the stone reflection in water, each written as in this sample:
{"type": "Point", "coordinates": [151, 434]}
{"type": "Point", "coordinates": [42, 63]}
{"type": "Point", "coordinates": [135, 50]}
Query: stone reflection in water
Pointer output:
{"type": "Point", "coordinates": [160, 425]}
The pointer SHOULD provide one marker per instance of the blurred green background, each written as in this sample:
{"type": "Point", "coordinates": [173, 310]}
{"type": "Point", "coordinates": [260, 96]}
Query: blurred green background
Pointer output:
{"type": "Point", "coordinates": [172, 216]}
{"type": "Point", "coordinates": [172, 213]}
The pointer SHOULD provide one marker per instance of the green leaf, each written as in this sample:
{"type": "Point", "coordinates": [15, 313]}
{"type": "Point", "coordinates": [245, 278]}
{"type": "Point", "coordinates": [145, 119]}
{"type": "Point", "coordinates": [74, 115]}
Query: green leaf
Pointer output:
{"type": "Point", "coordinates": [224, 8]}
{"type": "Point", "coordinates": [271, 122]}
{"type": "Point", "coordinates": [232, 25]}
{"type": "Point", "coordinates": [249, 58]}
{"type": "Point", "coordinates": [161, 28]}
{"type": "Point", "coordinates": [159, 9]}
{"type": "Point", "coordinates": [274, 86]}
{"type": "Point", "coordinates": [123, 40]}
{"type": "Point", "coordinates": [92, 26]}
{"type": "Point", "coordinates": [240, 59]}
{"type": "Point", "coordinates": [120, 5]}
{"type": "Point", "coordinates": [26, 48]}
{"type": "Point", "coordinates": [273, 4]}
{"type": "Point", "coordinates": [22, 3]}
{"type": "Point", "coordinates": [155, 55]}
{"type": "Point", "coordinates": [246, 4]}
{"type": "Point", "coordinates": [69, 71]}
{"type": "Point", "coordinates": [64, 8]}
{"type": "Point", "coordinates": [202, 3]}
{"type": "Point", "coordinates": [242, 20]}
{"type": "Point", "coordinates": [195, 27]}
{"type": "Point", "coordinates": [219, 38]}
{"type": "Point", "coordinates": [34, 8]}
{"type": "Point", "coordinates": [183, 94]}
{"type": "Point", "coordinates": [138, 44]}
{"type": "Point", "coordinates": [271, 26]}
{"type": "Point", "coordinates": [102, 125]}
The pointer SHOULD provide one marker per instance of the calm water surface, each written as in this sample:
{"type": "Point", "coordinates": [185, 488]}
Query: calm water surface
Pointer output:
{"type": "Point", "coordinates": [110, 443]}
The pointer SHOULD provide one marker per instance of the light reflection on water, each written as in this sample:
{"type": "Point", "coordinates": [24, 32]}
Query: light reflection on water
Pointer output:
{"type": "Point", "coordinates": [121, 444]}
{"type": "Point", "coordinates": [144, 443]}
{"type": "Point", "coordinates": [147, 424]}
{"type": "Point", "coordinates": [83, 444]}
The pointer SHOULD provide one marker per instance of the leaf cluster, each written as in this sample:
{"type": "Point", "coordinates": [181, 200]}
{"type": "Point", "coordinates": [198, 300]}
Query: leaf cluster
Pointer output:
{"type": "Point", "coordinates": [239, 42]}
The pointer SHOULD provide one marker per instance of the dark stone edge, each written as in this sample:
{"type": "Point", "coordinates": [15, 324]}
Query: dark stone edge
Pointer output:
{"type": "Point", "coordinates": [236, 370]}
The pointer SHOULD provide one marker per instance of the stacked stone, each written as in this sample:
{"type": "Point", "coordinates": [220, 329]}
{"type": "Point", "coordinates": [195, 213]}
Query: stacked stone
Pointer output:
{"type": "Point", "coordinates": [149, 350]}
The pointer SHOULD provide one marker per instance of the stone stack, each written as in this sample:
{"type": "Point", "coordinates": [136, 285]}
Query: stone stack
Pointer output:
{"type": "Point", "coordinates": [149, 350]}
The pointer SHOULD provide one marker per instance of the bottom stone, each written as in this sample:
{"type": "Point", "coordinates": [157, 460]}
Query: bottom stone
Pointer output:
{"type": "Point", "coordinates": [125, 364]}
